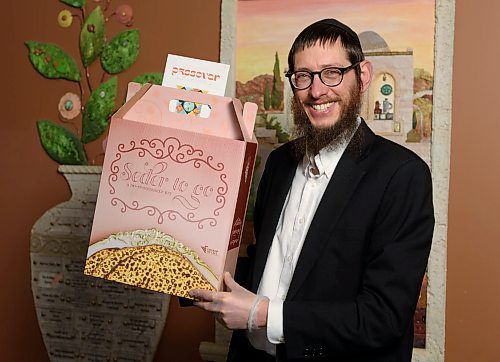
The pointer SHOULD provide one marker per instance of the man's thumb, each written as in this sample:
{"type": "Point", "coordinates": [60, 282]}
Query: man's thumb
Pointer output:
{"type": "Point", "coordinates": [230, 282]}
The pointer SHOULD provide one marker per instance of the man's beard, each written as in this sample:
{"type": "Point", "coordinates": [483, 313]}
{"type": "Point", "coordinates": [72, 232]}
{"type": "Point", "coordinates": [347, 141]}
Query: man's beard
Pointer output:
{"type": "Point", "coordinates": [311, 139]}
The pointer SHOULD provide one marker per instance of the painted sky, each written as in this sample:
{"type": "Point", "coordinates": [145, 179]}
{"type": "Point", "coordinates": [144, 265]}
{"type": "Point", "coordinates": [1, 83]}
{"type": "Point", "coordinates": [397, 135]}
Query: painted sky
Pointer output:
{"type": "Point", "coordinates": [266, 26]}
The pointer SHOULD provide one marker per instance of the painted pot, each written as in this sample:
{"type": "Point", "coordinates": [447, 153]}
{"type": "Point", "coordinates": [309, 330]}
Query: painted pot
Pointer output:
{"type": "Point", "coordinates": [81, 317]}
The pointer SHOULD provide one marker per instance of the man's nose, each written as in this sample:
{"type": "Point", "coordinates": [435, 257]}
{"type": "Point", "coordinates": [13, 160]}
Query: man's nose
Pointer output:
{"type": "Point", "coordinates": [318, 88]}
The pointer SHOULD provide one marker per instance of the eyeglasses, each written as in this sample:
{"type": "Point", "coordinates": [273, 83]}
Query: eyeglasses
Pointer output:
{"type": "Point", "coordinates": [331, 77]}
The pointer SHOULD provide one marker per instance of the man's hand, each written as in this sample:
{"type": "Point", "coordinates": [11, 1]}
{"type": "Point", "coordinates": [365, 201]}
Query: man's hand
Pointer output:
{"type": "Point", "coordinates": [231, 308]}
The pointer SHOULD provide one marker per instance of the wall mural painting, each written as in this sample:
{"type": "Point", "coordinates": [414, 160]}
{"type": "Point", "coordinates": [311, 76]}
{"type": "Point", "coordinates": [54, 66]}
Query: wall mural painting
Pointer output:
{"type": "Point", "coordinates": [397, 36]}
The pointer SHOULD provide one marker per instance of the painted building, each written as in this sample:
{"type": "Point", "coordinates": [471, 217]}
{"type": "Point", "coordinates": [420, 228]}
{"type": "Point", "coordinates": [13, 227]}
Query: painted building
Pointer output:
{"type": "Point", "coordinates": [388, 104]}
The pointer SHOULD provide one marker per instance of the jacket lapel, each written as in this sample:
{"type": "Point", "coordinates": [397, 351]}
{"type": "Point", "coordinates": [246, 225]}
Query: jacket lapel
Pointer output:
{"type": "Point", "coordinates": [343, 184]}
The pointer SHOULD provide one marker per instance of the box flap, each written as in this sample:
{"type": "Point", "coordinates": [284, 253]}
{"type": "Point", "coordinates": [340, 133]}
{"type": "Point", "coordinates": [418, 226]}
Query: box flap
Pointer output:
{"type": "Point", "coordinates": [151, 105]}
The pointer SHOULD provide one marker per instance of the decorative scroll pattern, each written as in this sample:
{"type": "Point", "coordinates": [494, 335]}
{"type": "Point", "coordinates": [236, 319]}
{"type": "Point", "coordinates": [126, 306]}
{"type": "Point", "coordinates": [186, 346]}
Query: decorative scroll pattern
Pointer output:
{"type": "Point", "coordinates": [113, 176]}
{"type": "Point", "coordinates": [169, 214]}
{"type": "Point", "coordinates": [185, 202]}
{"type": "Point", "coordinates": [170, 148]}
{"type": "Point", "coordinates": [220, 197]}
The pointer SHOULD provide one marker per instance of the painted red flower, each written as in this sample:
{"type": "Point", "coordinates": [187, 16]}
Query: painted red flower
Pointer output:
{"type": "Point", "coordinates": [124, 14]}
{"type": "Point", "coordinates": [69, 106]}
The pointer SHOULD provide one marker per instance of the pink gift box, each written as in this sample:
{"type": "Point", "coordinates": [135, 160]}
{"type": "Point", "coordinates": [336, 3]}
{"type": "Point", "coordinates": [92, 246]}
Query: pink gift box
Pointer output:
{"type": "Point", "coordinates": [173, 192]}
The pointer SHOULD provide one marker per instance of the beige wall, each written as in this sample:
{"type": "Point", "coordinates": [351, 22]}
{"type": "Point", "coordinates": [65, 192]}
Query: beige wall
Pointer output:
{"type": "Point", "coordinates": [29, 183]}
{"type": "Point", "coordinates": [473, 281]}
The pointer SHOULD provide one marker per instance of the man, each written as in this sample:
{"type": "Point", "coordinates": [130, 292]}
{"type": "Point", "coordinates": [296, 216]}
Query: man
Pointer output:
{"type": "Point", "coordinates": [343, 223]}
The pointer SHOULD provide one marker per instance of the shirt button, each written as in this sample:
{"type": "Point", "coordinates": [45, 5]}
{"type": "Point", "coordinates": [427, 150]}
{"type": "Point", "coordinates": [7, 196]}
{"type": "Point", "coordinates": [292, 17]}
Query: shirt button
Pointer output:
{"type": "Point", "coordinates": [283, 297]}
{"type": "Point", "coordinates": [289, 258]}
{"type": "Point", "coordinates": [301, 220]}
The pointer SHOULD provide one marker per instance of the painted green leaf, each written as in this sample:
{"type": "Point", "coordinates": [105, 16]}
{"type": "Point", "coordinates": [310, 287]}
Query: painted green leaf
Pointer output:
{"type": "Point", "coordinates": [99, 107]}
{"type": "Point", "coordinates": [92, 36]}
{"type": "Point", "coordinates": [121, 52]}
{"type": "Point", "coordinates": [155, 78]}
{"type": "Point", "coordinates": [52, 62]}
{"type": "Point", "coordinates": [62, 145]}
{"type": "Point", "coordinates": [74, 3]}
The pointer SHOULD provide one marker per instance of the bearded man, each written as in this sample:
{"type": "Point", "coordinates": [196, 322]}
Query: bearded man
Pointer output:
{"type": "Point", "coordinates": [343, 225]}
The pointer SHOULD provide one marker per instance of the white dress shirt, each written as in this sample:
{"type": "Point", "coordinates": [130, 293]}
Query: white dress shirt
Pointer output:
{"type": "Point", "coordinates": [311, 179]}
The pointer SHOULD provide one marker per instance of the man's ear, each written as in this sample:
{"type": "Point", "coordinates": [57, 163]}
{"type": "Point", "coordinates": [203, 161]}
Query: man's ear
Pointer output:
{"type": "Point", "coordinates": [366, 74]}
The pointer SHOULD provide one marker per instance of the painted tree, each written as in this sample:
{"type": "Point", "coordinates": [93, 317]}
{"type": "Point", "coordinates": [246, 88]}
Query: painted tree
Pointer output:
{"type": "Point", "coordinates": [276, 94]}
{"type": "Point", "coordinates": [267, 98]}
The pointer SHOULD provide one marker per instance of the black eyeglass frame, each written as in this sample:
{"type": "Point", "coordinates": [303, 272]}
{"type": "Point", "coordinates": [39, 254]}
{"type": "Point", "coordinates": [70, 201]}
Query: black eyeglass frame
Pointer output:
{"type": "Point", "coordinates": [312, 74]}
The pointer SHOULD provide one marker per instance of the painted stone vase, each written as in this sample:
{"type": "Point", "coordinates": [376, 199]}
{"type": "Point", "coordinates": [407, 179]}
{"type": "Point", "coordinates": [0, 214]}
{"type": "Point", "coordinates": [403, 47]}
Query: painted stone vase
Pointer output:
{"type": "Point", "coordinates": [81, 317]}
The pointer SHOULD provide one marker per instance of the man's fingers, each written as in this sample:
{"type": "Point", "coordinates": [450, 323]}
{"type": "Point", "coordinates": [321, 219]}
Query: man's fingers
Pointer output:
{"type": "Point", "coordinates": [203, 295]}
{"type": "Point", "coordinates": [208, 306]}
{"type": "Point", "coordinates": [230, 282]}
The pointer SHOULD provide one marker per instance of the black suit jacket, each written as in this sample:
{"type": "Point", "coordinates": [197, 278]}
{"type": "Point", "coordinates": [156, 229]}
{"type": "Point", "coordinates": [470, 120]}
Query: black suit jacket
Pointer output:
{"type": "Point", "coordinates": [357, 280]}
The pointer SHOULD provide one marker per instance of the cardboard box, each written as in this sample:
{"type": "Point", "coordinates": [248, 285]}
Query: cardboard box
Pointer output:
{"type": "Point", "coordinates": [173, 192]}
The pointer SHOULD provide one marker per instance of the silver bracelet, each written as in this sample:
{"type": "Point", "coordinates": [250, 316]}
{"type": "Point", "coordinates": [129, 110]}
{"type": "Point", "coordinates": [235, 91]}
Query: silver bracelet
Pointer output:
{"type": "Point", "coordinates": [252, 322]}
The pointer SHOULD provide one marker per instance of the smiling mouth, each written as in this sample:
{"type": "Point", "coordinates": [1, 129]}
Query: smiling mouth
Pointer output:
{"type": "Point", "coordinates": [321, 107]}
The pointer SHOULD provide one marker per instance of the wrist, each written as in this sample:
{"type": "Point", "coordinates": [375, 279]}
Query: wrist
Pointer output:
{"type": "Point", "coordinates": [257, 317]}
{"type": "Point", "coordinates": [263, 307]}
